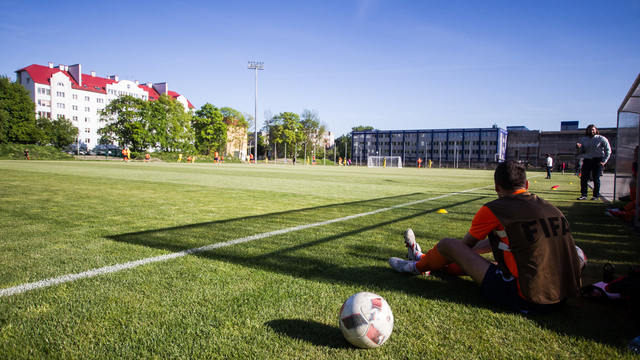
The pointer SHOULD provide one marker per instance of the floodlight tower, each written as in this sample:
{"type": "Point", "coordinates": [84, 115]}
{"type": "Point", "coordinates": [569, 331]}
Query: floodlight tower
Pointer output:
{"type": "Point", "coordinates": [257, 66]}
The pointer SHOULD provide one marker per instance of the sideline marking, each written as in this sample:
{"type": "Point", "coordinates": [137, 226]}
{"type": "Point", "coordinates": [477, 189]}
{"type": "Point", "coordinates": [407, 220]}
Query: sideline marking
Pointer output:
{"type": "Point", "coordinates": [129, 265]}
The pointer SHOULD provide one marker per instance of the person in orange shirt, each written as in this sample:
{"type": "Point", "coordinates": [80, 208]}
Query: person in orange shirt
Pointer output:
{"type": "Point", "coordinates": [537, 263]}
{"type": "Point", "coordinates": [419, 162]}
{"type": "Point", "coordinates": [124, 155]}
{"type": "Point", "coordinates": [147, 157]}
{"type": "Point", "coordinates": [189, 159]}
{"type": "Point", "coordinates": [221, 158]}
{"type": "Point", "coordinates": [314, 160]}
{"type": "Point", "coordinates": [216, 159]}
{"type": "Point", "coordinates": [250, 158]}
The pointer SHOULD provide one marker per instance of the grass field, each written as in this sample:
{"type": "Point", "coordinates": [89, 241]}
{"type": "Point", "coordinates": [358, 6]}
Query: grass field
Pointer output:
{"type": "Point", "coordinates": [275, 295]}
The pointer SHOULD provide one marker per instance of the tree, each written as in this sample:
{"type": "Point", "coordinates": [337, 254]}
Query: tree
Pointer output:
{"type": "Point", "coordinates": [343, 146]}
{"type": "Point", "coordinates": [210, 129]}
{"type": "Point", "coordinates": [17, 114]}
{"type": "Point", "coordinates": [127, 121]}
{"type": "Point", "coordinates": [59, 132]}
{"type": "Point", "coordinates": [286, 129]}
{"type": "Point", "coordinates": [170, 125]}
{"type": "Point", "coordinates": [362, 128]}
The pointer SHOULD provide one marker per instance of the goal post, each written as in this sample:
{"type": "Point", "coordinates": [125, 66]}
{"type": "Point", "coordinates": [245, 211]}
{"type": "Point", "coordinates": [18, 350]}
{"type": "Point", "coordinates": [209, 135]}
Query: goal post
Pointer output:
{"type": "Point", "coordinates": [385, 161]}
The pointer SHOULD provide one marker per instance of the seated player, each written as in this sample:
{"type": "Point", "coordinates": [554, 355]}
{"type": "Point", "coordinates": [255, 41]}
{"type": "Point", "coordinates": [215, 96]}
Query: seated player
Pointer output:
{"type": "Point", "coordinates": [537, 267]}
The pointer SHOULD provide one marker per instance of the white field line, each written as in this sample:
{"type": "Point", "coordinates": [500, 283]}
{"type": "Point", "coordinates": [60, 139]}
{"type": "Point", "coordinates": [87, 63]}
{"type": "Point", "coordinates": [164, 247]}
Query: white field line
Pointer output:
{"type": "Point", "coordinates": [129, 265]}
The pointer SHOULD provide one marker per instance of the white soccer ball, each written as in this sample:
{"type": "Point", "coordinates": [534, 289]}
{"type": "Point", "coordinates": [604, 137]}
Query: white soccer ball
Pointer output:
{"type": "Point", "coordinates": [583, 258]}
{"type": "Point", "coordinates": [366, 320]}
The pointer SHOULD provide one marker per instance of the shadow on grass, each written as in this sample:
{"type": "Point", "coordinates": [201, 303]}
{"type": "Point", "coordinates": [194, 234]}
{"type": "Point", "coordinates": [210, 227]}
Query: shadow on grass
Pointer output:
{"type": "Point", "coordinates": [312, 332]}
{"type": "Point", "coordinates": [312, 260]}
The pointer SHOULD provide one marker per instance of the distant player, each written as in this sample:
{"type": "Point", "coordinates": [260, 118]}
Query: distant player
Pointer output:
{"type": "Point", "coordinates": [384, 162]}
{"type": "Point", "coordinates": [147, 157]}
{"type": "Point", "coordinates": [314, 159]}
{"type": "Point", "coordinates": [430, 162]}
{"type": "Point", "coordinates": [251, 159]}
{"type": "Point", "coordinates": [189, 159]}
{"type": "Point", "coordinates": [179, 157]}
{"type": "Point", "coordinates": [340, 161]}
{"type": "Point", "coordinates": [221, 158]}
{"type": "Point", "coordinates": [124, 155]}
{"type": "Point", "coordinates": [419, 162]}
{"type": "Point", "coordinates": [216, 158]}
{"type": "Point", "coordinates": [26, 154]}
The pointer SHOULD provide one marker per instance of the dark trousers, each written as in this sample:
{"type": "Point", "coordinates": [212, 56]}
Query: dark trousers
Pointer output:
{"type": "Point", "coordinates": [591, 168]}
{"type": "Point", "coordinates": [549, 172]}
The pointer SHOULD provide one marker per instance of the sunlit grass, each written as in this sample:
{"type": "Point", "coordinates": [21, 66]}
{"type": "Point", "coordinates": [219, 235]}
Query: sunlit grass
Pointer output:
{"type": "Point", "coordinates": [276, 297]}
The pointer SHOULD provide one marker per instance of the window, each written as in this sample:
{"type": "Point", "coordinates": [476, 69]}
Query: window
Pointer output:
{"type": "Point", "coordinates": [60, 93]}
{"type": "Point", "coordinates": [87, 109]}
{"type": "Point", "coordinates": [44, 91]}
{"type": "Point", "coordinates": [75, 96]}
{"type": "Point", "coordinates": [87, 130]}
{"type": "Point", "coordinates": [60, 116]}
{"type": "Point", "coordinates": [44, 103]}
{"type": "Point", "coordinates": [74, 107]}
{"type": "Point", "coordinates": [60, 105]}
{"type": "Point", "coordinates": [75, 118]}
{"type": "Point", "coordinates": [60, 84]}
{"type": "Point", "coordinates": [87, 141]}
{"type": "Point", "coordinates": [86, 98]}
{"type": "Point", "coordinates": [86, 119]}
{"type": "Point", "coordinates": [28, 80]}
{"type": "Point", "coordinates": [100, 100]}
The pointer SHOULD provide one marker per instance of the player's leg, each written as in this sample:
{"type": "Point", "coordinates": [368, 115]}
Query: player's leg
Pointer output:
{"type": "Point", "coordinates": [467, 258]}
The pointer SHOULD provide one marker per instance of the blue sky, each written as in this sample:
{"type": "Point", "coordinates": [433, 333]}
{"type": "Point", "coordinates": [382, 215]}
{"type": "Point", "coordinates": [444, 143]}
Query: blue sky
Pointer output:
{"type": "Point", "coordinates": [388, 64]}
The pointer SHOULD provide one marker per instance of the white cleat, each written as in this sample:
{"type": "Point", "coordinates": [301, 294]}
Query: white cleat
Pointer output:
{"type": "Point", "coordinates": [405, 266]}
{"type": "Point", "coordinates": [414, 252]}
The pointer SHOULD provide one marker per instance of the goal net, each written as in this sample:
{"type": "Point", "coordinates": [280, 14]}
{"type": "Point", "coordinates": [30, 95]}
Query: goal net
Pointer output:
{"type": "Point", "coordinates": [388, 161]}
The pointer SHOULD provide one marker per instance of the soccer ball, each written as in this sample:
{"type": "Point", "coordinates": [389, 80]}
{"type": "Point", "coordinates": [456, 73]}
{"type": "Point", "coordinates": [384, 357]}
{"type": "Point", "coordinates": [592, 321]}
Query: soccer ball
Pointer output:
{"type": "Point", "coordinates": [366, 320]}
{"type": "Point", "coordinates": [583, 258]}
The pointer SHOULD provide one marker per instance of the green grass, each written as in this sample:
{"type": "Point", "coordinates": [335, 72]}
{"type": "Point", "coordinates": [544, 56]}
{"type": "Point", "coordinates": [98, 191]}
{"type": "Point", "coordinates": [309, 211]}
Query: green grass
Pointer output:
{"type": "Point", "coordinates": [277, 297]}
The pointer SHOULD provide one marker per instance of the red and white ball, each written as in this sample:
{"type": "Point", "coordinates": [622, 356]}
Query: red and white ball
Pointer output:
{"type": "Point", "coordinates": [366, 320]}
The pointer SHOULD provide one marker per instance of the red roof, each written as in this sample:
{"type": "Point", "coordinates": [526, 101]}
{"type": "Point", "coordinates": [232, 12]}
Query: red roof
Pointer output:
{"type": "Point", "coordinates": [42, 75]}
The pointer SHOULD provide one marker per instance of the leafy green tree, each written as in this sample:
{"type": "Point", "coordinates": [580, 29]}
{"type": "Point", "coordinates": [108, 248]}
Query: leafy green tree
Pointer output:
{"type": "Point", "coordinates": [343, 146]}
{"type": "Point", "coordinates": [17, 114]}
{"type": "Point", "coordinates": [362, 128]}
{"type": "Point", "coordinates": [210, 129]}
{"type": "Point", "coordinates": [170, 125]}
{"type": "Point", "coordinates": [286, 128]}
{"type": "Point", "coordinates": [127, 121]}
{"type": "Point", "coordinates": [59, 132]}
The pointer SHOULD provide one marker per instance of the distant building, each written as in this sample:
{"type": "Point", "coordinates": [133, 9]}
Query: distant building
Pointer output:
{"type": "Point", "coordinates": [569, 125]}
{"type": "Point", "coordinates": [450, 147]}
{"type": "Point", "coordinates": [64, 91]}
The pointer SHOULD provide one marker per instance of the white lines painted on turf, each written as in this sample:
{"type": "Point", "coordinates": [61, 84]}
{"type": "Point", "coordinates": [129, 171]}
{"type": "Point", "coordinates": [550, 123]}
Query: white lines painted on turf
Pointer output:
{"type": "Point", "coordinates": [129, 265]}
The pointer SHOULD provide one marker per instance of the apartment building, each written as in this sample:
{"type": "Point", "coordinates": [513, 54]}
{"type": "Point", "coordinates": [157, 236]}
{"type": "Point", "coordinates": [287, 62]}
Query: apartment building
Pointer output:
{"type": "Point", "coordinates": [65, 91]}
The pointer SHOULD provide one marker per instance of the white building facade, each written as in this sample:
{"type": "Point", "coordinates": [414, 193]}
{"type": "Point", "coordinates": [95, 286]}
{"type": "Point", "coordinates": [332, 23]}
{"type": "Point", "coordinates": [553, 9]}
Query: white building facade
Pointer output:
{"type": "Point", "coordinates": [64, 91]}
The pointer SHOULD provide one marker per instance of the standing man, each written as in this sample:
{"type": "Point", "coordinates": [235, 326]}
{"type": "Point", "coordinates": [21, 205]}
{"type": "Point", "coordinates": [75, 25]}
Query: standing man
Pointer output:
{"type": "Point", "coordinates": [549, 166]}
{"type": "Point", "coordinates": [430, 162]}
{"type": "Point", "coordinates": [26, 154]}
{"type": "Point", "coordinates": [596, 151]}
{"type": "Point", "coordinates": [537, 268]}
{"type": "Point", "coordinates": [419, 162]}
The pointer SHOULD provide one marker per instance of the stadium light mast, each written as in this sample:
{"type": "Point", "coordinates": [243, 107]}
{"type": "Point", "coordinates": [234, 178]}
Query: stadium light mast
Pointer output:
{"type": "Point", "coordinates": [256, 66]}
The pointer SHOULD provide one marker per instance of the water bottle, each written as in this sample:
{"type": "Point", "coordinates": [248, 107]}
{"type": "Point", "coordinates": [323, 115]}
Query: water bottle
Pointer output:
{"type": "Point", "coordinates": [634, 346]}
{"type": "Point", "coordinates": [607, 276]}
